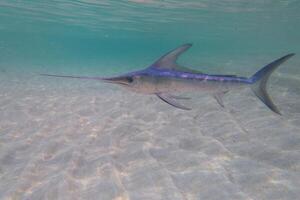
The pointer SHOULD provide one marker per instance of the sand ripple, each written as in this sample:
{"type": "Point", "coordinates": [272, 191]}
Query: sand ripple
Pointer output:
{"type": "Point", "coordinates": [69, 140]}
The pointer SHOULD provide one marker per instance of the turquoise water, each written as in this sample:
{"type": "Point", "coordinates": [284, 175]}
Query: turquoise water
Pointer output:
{"type": "Point", "coordinates": [79, 139]}
{"type": "Point", "coordinates": [104, 37]}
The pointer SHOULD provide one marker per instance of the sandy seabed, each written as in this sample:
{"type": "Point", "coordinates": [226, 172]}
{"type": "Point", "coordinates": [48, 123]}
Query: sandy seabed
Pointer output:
{"type": "Point", "coordinates": [70, 139]}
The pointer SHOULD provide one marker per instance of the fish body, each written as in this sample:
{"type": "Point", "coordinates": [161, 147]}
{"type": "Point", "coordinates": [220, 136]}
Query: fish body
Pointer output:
{"type": "Point", "coordinates": [165, 77]}
{"type": "Point", "coordinates": [153, 81]}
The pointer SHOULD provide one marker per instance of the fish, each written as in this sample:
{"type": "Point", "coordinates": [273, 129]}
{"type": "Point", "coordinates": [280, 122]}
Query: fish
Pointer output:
{"type": "Point", "coordinates": [165, 77]}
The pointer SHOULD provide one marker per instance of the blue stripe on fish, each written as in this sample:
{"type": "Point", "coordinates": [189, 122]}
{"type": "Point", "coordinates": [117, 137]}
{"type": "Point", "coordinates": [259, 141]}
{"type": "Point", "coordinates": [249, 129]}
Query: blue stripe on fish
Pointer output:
{"type": "Point", "coordinates": [187, 75]}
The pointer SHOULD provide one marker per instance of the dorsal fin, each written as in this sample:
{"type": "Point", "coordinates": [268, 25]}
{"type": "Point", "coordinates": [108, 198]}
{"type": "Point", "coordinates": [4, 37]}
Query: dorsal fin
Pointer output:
{"type": "Point", "coordinates": [168, 61]}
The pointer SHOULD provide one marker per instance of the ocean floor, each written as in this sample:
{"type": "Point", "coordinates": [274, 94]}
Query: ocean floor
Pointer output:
{"type": "Point", "coordinates": [71, 139]}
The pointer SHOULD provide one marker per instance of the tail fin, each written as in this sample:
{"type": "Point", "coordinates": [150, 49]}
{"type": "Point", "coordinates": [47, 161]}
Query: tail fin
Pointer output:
{"type": "Point", "coordinates": [260, 79]}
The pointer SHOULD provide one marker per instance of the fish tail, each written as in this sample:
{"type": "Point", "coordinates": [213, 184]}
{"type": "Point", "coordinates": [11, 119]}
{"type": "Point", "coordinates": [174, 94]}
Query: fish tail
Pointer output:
{"type": "Point", "coordinates": [259, 82]}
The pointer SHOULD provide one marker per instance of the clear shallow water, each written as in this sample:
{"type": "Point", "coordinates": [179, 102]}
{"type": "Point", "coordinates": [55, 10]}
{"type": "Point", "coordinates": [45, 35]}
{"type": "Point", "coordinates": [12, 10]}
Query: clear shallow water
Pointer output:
{"type": "Point", "coordinates": [70, 139]}
{"type": "Point", "coordinates": [115, 35]}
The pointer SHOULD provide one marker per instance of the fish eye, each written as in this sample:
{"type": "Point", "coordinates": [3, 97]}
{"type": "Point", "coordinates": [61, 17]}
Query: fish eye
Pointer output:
{"type": "Point", "coordinates": [129, 79]}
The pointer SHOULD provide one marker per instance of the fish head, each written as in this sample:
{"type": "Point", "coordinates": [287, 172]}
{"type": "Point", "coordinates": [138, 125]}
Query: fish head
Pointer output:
{"type": "Point", "coordinates": [137, 82]}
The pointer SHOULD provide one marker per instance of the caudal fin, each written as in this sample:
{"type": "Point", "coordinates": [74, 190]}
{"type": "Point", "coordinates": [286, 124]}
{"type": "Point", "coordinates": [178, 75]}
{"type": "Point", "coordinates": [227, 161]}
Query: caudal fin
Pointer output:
{"type": "Point", "coordinates": [260, 79]}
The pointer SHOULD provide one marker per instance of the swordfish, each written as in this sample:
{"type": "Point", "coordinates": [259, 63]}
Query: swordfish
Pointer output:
{"type": "Point", "coordinates": [165, 77]}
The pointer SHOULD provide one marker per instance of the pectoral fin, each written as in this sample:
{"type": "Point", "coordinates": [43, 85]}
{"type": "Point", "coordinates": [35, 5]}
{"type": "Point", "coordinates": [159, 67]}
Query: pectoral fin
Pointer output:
{"type": "Point", "coordinates": [179, 97]}
{"type": "Point", "coordinates": [219, 97]}
{"type": "Point", "coordinates": [171, 101]}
